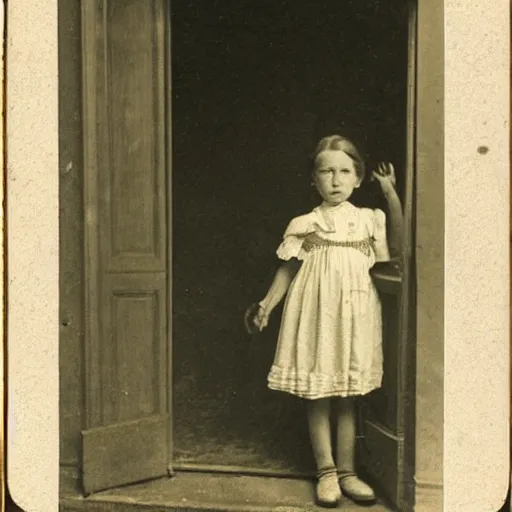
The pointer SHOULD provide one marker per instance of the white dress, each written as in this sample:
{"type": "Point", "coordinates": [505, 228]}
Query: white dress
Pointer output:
{"type": "Point", "coordinates": [330, 340]}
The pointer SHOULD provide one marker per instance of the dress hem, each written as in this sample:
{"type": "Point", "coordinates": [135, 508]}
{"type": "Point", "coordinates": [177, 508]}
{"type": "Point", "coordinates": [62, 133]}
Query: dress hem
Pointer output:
{"type": "Point", "coordinates": [327, 394]}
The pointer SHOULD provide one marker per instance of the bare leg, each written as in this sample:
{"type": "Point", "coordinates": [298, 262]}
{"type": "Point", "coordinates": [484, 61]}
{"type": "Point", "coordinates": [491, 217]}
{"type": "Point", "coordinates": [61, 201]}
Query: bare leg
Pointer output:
{"type": "Point", "coordinates": [346, 435]}
{"type": "Point", "coordinates": [320, 432]}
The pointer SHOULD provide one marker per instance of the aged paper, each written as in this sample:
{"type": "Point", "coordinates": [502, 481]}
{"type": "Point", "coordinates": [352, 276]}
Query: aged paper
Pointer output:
{"type": "Point", "coordinates": [33, 255]}
{"type": "Point", "coordinates": [476, 152]}
{"type": "Point", "coordinates": [477, 301]}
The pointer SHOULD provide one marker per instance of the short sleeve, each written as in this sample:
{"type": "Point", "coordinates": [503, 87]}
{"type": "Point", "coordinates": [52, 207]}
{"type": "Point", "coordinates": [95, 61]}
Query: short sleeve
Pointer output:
{"type": "Point", "coordinates": [380, 241]}
{"type": "Point", "coordinates": [291, 246]}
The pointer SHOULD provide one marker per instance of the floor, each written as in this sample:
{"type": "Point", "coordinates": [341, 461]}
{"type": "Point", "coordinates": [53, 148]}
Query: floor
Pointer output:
{"type": "Point", "coordinates": [207, 492]}
{"type": "Point", "coordinates": [222, 408]}
{"type": "Point", "coordinates": [240, 429]}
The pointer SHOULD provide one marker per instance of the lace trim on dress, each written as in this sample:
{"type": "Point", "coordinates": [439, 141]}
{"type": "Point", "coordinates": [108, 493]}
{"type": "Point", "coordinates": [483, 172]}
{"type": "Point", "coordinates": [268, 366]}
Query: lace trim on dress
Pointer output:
{"type": "Point", "coordinates": [314, 385]}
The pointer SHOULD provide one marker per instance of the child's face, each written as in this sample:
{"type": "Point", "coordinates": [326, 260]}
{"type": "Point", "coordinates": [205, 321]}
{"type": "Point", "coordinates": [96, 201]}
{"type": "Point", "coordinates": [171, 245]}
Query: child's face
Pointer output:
{"type": "Point", "coordinates": [335, 176]}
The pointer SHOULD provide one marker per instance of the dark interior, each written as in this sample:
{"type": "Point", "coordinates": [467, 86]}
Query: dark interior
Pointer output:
{"type": "Point", "coordinates": [255, 85]}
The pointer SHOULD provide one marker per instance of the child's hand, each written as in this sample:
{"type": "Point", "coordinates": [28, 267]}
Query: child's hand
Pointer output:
{"type": "Point", "coordinates": [261, 319]}
{"type": "Point", "coordinates": [256, 319]}
{"type": "Point", "coordinates": [385, 175]}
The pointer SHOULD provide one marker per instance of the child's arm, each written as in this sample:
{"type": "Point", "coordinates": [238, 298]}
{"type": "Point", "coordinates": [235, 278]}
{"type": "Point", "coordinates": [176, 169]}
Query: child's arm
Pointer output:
{"type": "Point", "coordinates": [282, 280]}
{"type": "Point", "coordinates": [386, 177]}
{"type": "Point", "coordinates": [396, 222]}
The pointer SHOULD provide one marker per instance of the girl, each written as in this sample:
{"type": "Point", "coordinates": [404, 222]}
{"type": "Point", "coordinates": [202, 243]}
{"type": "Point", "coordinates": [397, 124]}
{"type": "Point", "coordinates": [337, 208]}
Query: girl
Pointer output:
{"type": "Point", "coordinates": [330, 341]}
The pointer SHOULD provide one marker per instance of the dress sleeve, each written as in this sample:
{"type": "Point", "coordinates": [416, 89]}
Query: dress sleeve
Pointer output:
{"type": "Point", "coordinates": [291, 246]}
{"type": "Point", "coordinates": [380, 242]}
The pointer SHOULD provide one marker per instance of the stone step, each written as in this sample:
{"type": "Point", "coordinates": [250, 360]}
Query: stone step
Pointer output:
{"type": "Point", "coordinates": [206, 492]}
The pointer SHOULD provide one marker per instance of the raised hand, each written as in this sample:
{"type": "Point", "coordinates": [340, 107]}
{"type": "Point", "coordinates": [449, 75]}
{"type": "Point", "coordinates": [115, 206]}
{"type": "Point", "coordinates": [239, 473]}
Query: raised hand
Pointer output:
{"type": "Point", "coordinates": [385, 175]}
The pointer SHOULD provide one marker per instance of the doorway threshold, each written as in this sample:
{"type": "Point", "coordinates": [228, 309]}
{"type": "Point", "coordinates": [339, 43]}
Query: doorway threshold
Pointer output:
{"type": "Point", "coordinates": [211, 492]}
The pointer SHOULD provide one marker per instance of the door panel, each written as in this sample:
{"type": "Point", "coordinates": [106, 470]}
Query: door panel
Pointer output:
{"type": "Point", "coordinates": [124, 452]}
{"type": "Point", "coordinates": [127, 435]}
{"type": "Point", "coordinates": [383, 460]}
{"type": "Point", "coordinates": [133, 368]}
{"type": "Point", "coordinates": [382, 451]}
{"type": "Point", "coordinates": [383, 403]}
{"type": "Point", "coordinates": [133, 182]}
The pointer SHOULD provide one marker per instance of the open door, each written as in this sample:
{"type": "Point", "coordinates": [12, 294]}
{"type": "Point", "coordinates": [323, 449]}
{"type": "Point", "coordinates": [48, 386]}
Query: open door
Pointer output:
{"type": "Point", "coordinates": [127, 434]}
{"type": "Point", "coordinates": [388, 421]}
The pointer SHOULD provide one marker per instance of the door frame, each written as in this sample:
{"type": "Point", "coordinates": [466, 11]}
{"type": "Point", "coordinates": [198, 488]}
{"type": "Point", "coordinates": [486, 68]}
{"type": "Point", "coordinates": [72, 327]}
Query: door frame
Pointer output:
{"type": "Point", "coordinates": [413, 439]}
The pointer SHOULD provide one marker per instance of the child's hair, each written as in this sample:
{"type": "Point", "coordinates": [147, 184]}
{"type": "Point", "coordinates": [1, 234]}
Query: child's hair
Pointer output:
{"type": "Point", "coordinates": [337, 142]}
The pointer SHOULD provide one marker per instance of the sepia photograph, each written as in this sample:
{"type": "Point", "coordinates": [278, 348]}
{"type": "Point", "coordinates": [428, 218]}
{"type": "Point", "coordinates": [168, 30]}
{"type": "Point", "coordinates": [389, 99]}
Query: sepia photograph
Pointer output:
{"type": "Point", "coordinates": [247, 274]}
{"type": "Point", "coordinates": [256, 255]}
{"type": "Point", "coordinates": [250, 233]}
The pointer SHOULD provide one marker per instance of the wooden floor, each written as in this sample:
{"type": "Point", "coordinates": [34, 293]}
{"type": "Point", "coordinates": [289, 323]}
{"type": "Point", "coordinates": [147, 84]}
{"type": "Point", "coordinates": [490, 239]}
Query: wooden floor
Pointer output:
{"type": "Point", "coordinates": [207, 492]}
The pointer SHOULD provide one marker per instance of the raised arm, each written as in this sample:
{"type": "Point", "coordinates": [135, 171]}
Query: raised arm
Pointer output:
{"type": "Point", "coordinates": [282, 280]}
{"type": "Point", "coordinates": [386, 177]}
{"type": "Point", "coordinates": [396, 223]}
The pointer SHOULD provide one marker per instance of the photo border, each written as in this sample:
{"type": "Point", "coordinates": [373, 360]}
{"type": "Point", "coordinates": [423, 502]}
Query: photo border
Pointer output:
{"type": "Point", "coordinates": [476, 144]}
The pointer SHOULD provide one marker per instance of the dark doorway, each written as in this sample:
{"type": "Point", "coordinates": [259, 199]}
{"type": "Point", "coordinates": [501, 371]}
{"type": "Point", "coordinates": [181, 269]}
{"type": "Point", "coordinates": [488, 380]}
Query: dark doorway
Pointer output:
{"type": "Point", "coordinates": [255, 84]}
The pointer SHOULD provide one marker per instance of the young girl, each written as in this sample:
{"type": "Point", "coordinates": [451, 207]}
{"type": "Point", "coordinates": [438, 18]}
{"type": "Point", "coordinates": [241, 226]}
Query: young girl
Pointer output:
{"type": "Point", "coordinates": [330, 341]}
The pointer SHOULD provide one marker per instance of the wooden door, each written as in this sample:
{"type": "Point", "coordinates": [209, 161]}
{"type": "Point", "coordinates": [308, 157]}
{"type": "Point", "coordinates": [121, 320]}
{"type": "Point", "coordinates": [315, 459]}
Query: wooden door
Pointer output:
{"type": "Point", "coordinates": [386, 452]}
{"type": "Point", "coordinates": [127, 353]}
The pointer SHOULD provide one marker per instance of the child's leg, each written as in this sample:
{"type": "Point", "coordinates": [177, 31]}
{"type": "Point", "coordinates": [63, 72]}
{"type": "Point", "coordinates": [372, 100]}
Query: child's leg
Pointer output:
{"type": "Point", "coordinates": [328, 491]}
{"type": "Point", "coordinates": [346, 435]}
{"type": "Point", "coordinates": [350, 484]}
{"type": "Point", "coordinates": [320, 432]}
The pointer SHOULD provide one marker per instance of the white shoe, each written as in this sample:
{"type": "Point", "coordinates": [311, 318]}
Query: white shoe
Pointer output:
{"type": "Point", "coordinates": [328, 492]}
{"type": "Point", "coordinates": [355, 489]}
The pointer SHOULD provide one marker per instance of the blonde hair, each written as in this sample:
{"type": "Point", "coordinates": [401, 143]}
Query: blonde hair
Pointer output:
{"type": "Point", "coordinates": [339, 143]}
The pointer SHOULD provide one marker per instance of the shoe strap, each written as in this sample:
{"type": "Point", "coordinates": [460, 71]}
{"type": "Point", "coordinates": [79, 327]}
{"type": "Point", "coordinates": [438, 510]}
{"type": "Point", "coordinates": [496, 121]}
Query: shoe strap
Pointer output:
{"type": "Point", "coordinates": [342, 475]}
{"type": "Point", "coordinates": [323, 472]}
